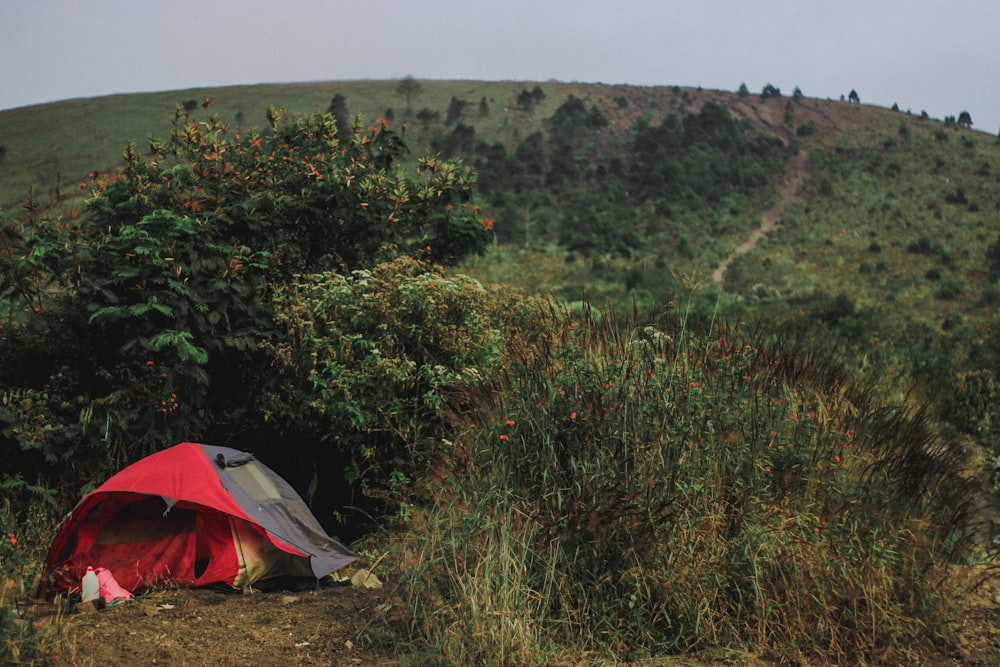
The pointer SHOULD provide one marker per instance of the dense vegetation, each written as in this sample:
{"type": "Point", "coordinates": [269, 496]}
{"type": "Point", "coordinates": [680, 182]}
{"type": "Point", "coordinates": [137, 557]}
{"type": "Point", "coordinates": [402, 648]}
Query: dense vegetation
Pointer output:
{"type": "Point", "coordinates": [549, 471]}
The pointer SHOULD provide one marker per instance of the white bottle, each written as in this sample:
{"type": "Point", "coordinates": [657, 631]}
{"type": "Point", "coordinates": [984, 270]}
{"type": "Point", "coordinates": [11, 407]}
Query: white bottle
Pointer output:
{"type": "Point", "coordinates": [90, 590]}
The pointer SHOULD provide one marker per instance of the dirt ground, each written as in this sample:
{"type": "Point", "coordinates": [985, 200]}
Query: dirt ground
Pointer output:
{"type": "Point", "coordinates": [321, 626]}
{"type": "Point", "coordinates": [196, 627]}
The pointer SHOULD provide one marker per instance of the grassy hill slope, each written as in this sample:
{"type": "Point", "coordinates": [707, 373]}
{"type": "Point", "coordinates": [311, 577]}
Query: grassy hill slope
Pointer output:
{"type": "Point", "coordinates": [891, 213]}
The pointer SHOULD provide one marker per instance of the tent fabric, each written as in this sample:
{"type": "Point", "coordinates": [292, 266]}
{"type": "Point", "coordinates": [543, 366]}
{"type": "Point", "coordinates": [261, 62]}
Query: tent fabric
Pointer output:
{"type": "Point", "coordinates": [193, 515]}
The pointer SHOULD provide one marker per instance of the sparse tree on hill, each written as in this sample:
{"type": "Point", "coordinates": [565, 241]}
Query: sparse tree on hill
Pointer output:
{"type": "Point", "coordinates": [456, 108]}
{"type": "Point", "coordinates": [409, 88]}
{"type": "Point", "coordinates": [853, 97]}
{"type": "Point", "coordinates": [338, 109]}
{"type": "Point", "coordinates": [770, 91]}
{"type": "Point", "coordinates": [797, 93]}
{"type": "Point", "coordinates": [528, 100]}
{"type": "Point", "coordinates": [993, 260]}
{"type": "Point", "coordinates": [965, 120]}
{"type": "Point", "coordinates": [743, 91]}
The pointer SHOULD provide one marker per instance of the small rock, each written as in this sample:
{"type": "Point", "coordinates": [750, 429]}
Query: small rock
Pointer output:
{"type": "Point", "coordinates": [150, 610]}
{"type": "Point", "coordinates": [366, 579]}
{"type": "Point", "coordinates": [288, 599]}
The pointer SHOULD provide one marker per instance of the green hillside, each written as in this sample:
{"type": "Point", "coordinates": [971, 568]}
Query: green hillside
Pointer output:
{"type": "Point", "coordinates": [701, 369]}
{"type": "Point", "coordinates": [892, 213]}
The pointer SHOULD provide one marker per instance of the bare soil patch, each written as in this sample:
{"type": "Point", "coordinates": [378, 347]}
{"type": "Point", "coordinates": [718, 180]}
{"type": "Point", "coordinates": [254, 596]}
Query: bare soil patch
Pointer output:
{"type": "Point", "coordinates": [195, 627]}
{"type": "Point", "coordinates": [321, 626]}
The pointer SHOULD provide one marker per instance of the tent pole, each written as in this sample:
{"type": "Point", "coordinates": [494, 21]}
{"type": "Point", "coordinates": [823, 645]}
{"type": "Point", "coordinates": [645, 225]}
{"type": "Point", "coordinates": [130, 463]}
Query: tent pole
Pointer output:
{"type": "Point", "coordinates": [239, 548]}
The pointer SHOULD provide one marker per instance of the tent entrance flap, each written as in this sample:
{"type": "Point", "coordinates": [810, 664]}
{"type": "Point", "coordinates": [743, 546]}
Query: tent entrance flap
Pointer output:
{"type": "Point", "coordinates": [144, 544]}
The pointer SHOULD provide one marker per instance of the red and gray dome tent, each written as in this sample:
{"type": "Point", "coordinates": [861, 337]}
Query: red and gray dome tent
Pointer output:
{"type": "Point", "coordinates": [193, 515]}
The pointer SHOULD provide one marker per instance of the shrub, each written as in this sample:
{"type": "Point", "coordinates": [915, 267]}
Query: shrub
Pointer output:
{"type": "Point", "coordinates": [370, 361]}
{"type": "Point", "coordinates": [165, 283]}
{"type": "Point", "coordinates": [948, 290]}
{"type": "Point", "coordinates": [806, 129]}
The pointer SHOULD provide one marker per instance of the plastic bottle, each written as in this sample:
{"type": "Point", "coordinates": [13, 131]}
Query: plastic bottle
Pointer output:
{"type": "Point", "coordinates": [90, 590]}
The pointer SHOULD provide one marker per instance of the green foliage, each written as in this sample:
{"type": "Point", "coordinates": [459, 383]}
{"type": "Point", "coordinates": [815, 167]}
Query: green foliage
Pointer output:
{"type": "Point", "coordinates": [635, 491]}
{"type": "Point", "coordinates": [28, 521]}
{"type": "Point", "coordinates": [701, 159]}
{"type": "Point", "coordinates": [409, 88]}
{"type": "Point", "coordinates": [162, 288]}
{"type": "Point", "coordinates": [528, 100]}
{"type": "Point", "coordinates": [769, 91]}
{"type": "Point", "coordinates": [371, 360]}
{"type": "Point", "coordinates": [338, 109]}
{"type": "Point", "coordinates": [806, 129]}
{"type": "Point", "coordinates": [572, 140]}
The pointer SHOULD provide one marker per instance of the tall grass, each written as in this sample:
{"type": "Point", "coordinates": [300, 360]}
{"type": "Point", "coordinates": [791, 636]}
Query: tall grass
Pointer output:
{"type": "Point", "coordinates": [633, 491]}
{"type": "Point", "coordinates": [27, 527]}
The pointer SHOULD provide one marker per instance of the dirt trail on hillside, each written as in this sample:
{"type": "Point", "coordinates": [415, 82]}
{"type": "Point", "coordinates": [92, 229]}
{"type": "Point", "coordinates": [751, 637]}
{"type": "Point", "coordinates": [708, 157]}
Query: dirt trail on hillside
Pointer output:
{"type": "Point", "coordinates": [787, 194]}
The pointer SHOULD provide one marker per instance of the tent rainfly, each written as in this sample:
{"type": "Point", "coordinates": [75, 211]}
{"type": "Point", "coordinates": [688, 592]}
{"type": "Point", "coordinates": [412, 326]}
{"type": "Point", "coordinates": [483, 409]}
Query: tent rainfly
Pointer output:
{"type": "Point", "coordinates": [192, 515]}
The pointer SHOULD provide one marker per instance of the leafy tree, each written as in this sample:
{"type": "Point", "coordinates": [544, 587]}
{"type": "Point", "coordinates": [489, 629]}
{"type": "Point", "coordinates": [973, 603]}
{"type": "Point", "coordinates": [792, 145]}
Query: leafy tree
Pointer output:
{"type": "Point", "coordinates": [456, 108]}
{"type": "Point", "coordinates": [338, 109]}
{"type": "Point", "coordinates": [743, 90]}
{"type": "Point", "coordinates": [789, 113]}
{"type": "Point", "coordinates": [459, 141]}
{"type": "Point", "coordinates": [965, 119]}
{"type": "Point", "coordinates": [409, 88]}
{"type": "Point", "coordinates": [807, 128]}
{"type": "Point", "coordinates": [427, 115]}
{"type": "Point", "coordinates": [853, 97]}
{"type": "Point", "coordinates": [162, 289]}
{"type": "Point", "coordinates": [369, 360]}
{"type": "Point", "coordinates": [571, 139]}
{"type": "Point", "coordinates": [701, 158]}
{"type": "Point", "coordinates": [769, 91]}
{"type": "Point", "coordinates": [529, 100]}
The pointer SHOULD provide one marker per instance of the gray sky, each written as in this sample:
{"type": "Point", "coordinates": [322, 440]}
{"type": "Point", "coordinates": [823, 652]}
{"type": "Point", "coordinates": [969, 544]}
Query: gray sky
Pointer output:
{"type": "Point", "coordinates": [939, 56]}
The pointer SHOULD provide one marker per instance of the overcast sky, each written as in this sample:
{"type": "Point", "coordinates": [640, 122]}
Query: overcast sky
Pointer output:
{"type": "Point", "coordinates": [939, 56]}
